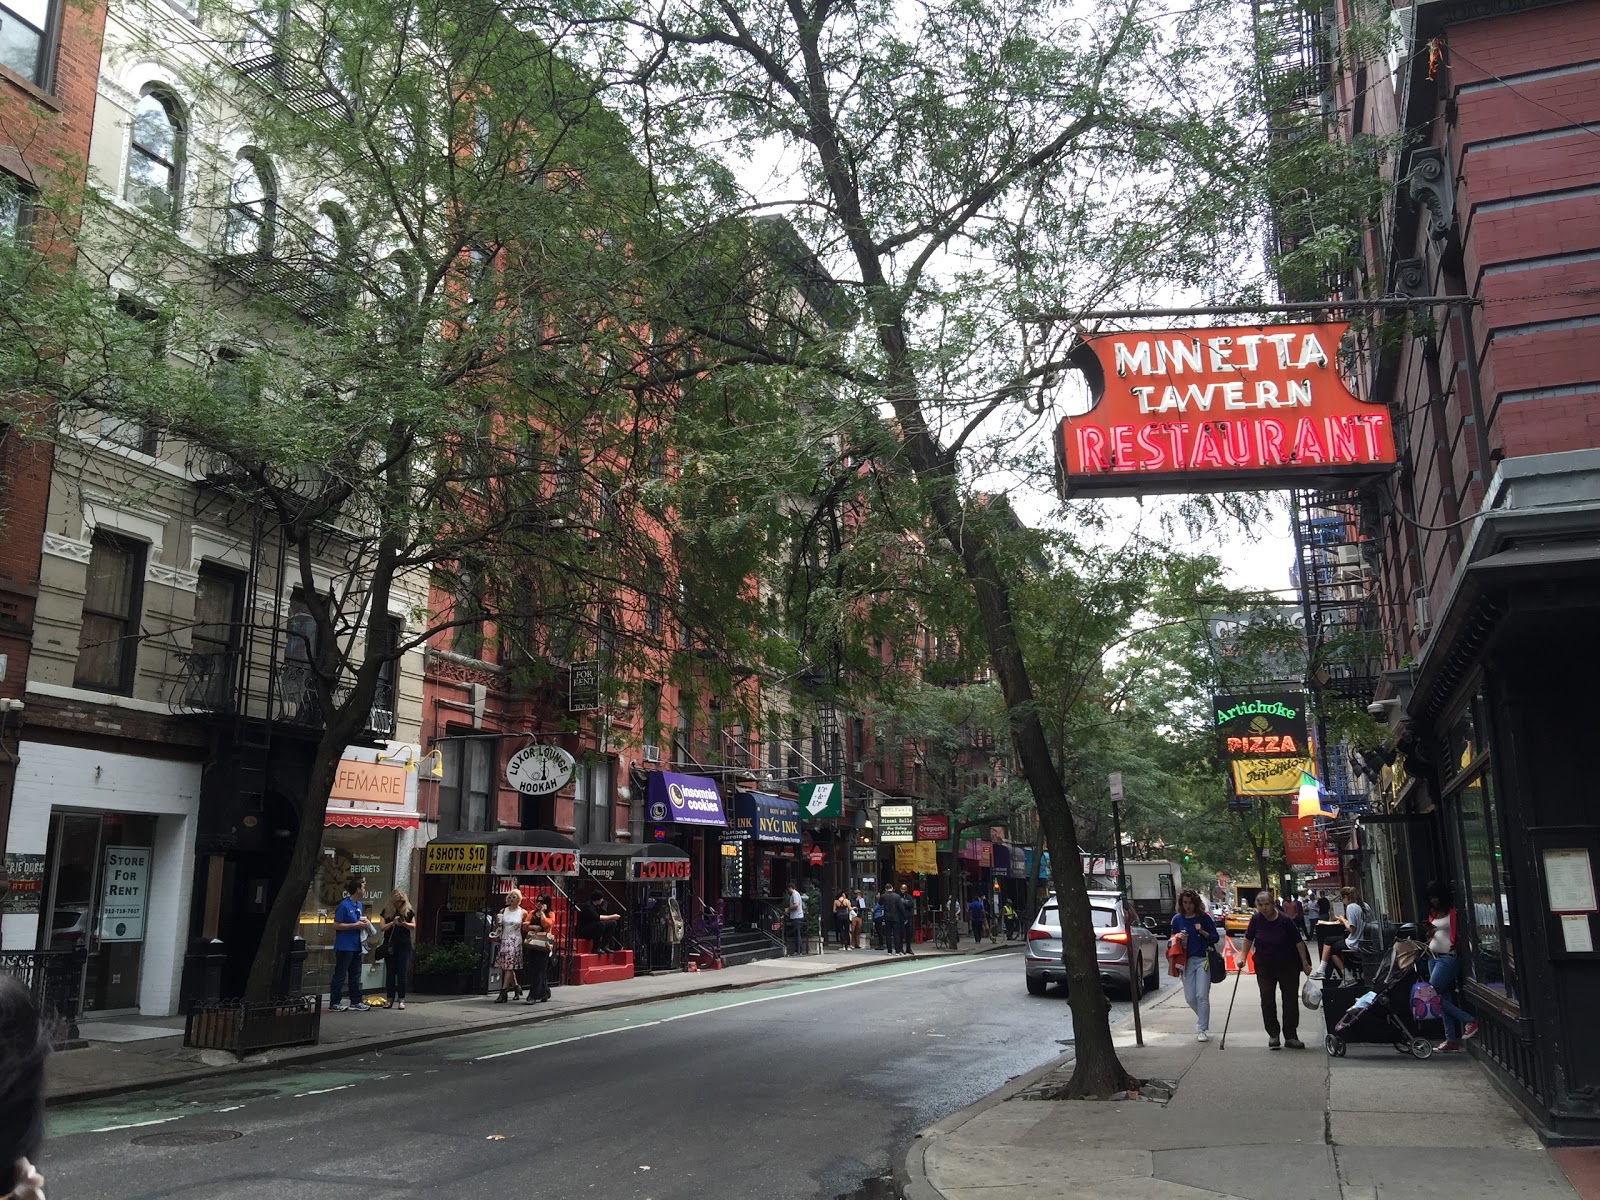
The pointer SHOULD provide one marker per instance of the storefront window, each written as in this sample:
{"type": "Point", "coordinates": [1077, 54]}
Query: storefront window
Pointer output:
{"type": "Point", "coordinates": [347, 854]}
{"type": "Point", "coordinates": [1484, 910]}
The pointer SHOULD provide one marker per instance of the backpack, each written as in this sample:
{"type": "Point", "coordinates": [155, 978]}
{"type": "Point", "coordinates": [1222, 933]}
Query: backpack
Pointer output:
{"type": "Point", "coordinates": [1426, 1004]}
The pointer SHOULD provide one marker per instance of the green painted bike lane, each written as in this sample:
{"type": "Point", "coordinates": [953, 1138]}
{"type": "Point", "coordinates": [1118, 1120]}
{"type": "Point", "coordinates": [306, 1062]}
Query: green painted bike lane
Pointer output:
{"type": "Point", "coordinates": [166, 1105]}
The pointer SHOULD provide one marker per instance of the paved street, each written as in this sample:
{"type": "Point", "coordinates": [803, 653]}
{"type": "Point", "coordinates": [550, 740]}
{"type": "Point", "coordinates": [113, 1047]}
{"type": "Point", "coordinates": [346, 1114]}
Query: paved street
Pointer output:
{"type": "Point", "coordinates": [799, 1090]}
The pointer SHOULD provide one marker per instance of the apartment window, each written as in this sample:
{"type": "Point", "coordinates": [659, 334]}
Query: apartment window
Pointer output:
{"type": "Point", "coordinates": [252, 205]}
{"type": "Point", "coordinates": [16, 199]}
{"type": "Point", "coordinates": [650, 701]}
{"type": "Point", "coordinates": [148, 337]}
{"type": "Point", "coordinates": [155, 156]}
{"type": "Point", "coordinates": [214, 641]}
{"type": "Point", "coordinates": [464, 790]}
{"type": "Point", "coordinates": [591, 802]}
{"type": "Point", "coordinates": [652, 613]}
{"type": "Point", "coordinates": [332, 239]}
{"type": "Point", "coordinates": [108, 645]}
{"type": "Point", "coordinates": [467, 637]}
{"type": "Point", "coordinates": [25, 27]}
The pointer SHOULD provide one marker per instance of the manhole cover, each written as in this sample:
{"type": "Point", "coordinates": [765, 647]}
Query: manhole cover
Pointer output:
{"type": "Point", "coordinates": [188, 1137]}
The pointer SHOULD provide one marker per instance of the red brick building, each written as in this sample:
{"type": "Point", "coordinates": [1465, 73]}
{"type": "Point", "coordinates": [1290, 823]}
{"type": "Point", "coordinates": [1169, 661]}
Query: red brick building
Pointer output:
{"type": "Point", "coordinates": [47, 95]}
{"type": "Point", "coordinates": [1482, 552]}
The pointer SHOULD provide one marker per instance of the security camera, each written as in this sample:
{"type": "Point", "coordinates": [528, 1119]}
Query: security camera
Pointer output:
{"type": "Point", "coordinates": [1380, 709]}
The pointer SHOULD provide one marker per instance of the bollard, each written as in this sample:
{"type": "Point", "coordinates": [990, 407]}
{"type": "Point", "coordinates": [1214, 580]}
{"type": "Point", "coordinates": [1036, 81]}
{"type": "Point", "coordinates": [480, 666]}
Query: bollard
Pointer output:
{"type": "Point", "coordinates": [202, 970]}
{"type": "Point", "coordinates": [290, 979]}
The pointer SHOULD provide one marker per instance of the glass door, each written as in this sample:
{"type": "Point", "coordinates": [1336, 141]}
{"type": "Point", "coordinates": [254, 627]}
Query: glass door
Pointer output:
{"type": "Point", "coordinates": [98, 884]}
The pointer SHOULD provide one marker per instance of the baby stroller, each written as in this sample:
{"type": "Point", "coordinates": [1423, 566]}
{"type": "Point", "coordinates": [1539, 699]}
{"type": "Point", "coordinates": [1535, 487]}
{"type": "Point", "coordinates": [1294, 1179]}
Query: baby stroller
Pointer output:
{"type": "Point", "coordinates": [1378, 1013]}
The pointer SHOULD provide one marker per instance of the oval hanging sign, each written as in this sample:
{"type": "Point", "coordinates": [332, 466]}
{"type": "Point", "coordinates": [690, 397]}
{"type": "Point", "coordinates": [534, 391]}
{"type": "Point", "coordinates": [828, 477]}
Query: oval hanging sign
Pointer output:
{"type": "Point", "coordinates": [539, 770]}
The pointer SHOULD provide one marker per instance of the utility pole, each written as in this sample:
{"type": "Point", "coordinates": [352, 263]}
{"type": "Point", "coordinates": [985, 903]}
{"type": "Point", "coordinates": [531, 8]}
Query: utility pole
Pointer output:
{"type": "Point", "coordinates": [1134, 979]}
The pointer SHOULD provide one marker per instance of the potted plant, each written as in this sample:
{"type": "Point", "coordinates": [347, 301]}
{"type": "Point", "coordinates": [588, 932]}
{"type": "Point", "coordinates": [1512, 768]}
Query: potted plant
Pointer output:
{"type": "Point", "coordinates": [448, 970]}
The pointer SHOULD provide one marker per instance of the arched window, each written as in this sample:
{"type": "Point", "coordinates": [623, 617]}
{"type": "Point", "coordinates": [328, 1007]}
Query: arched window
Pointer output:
{"type": "Point", "coordinates": [252, 205]}
{"type": "Point", "coordinates": [155, 158]}
{"type": "Point", "coordinates": [331, 241]}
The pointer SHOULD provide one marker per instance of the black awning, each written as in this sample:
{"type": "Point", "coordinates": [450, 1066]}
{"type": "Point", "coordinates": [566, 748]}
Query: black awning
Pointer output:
{"type": "Point", "coordinates": [634, 862]}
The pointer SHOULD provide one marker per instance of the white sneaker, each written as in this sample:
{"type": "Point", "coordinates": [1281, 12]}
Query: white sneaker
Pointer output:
{"type": "Point", "coordinates": [1201, 1036]}
{"type": "Point", "coordinates": [1319, 972]}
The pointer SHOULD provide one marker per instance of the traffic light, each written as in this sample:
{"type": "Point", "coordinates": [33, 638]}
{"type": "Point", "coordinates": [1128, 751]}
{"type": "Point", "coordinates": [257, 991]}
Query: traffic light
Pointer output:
{"type": "Point", "coordinates": [1188, 856]}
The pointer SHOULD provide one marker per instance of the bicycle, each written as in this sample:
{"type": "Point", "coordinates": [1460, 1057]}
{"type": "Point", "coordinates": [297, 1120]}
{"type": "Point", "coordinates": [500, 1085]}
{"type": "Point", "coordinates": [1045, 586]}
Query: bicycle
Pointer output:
{"type": "Point", "coordinates": [947, 933]}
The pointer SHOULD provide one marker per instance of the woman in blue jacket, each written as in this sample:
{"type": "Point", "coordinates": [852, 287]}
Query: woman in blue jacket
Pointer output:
{"type": "Point", "coordinates": [1199, 933]}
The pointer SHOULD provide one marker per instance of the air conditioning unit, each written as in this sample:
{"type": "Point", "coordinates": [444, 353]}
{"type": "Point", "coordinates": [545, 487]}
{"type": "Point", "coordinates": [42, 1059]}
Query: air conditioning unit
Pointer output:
{"type": "Point", "coordinates": [652, 754]}
{"type": "Point", "coordinates": [1347, 556]}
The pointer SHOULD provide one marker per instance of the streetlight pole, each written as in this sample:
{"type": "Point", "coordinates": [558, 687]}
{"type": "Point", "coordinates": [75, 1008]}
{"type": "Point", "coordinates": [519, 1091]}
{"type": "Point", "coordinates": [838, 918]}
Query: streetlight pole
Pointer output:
{"type": "Point", "coordinates": [1134, 979]}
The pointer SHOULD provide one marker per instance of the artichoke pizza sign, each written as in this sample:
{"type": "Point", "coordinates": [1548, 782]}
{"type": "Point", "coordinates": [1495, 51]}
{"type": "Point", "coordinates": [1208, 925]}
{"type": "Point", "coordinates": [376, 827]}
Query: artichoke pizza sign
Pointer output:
{"type": "Point", "coordinates": [1191, 410]}
{"type": "Point", "coordinates": [1270, 725]}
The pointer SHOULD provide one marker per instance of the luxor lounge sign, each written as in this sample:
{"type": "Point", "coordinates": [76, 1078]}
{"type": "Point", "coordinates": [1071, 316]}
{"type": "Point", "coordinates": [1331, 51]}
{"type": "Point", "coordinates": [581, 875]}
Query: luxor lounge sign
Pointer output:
{"type": "Point", "coordinates": [1202, 409]}
{"type": "Point", "coordinates": [539, 770]}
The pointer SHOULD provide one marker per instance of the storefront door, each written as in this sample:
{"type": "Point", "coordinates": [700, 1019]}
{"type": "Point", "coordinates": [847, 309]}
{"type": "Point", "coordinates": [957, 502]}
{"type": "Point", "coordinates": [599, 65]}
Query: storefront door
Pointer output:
{"type": "Point", "coordinates": [97, 888]}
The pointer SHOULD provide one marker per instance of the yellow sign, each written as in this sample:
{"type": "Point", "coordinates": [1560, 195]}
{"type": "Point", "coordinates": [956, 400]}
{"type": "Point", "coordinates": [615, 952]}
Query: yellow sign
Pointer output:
{"type": "Point", "coordinates": [452, 858]}
{"type": "Point", "coordinates": [374, 783]}
{"type": "Point", "coordinates": [917, 858]}
{"type": "Point", "coordinates": [468, 893]}
{"type": "Point", "coordinates": [1269, 776]}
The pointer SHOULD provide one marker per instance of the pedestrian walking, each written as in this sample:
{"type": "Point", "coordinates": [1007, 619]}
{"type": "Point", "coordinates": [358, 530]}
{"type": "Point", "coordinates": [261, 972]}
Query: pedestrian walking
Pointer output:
{"type": "Point", "coordinates": [536, 946]}
{"type": "Point", "coordinates": [24, 1047]}
{"type": "Point", "coordinates": [908, 918]}
{"type": "Point", "coordinates": [506, 932]}
{"type": "Point", "coordinates": [350, 929]}
{"type": "Point", "coordinates": [1199, 933]}
{"type": "Point", "coordinates": [858, 918]}
{"type": "Point", "coordinates": [399, 924]}
{"type": "Point", "coordinates": [842, 911]}
{"type": "Point", "coordinates": [1281, 957]}
{"type": "Point", "coordinates": [1458, 1023]}
{"type": "Point", "coordinates": [797, 918]}
{"type": "Point", "coordinates": [1009, 915]}
{"type": "Point", "coordinates": [1324, 906]}
{"type": "Point", "coordinates": [893, 919]}
{"type": "Point", "coordinates": [975, 916]}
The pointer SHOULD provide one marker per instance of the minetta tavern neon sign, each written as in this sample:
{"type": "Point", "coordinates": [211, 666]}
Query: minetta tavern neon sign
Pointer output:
{"type": "Point", "coordinates": [1203, 409]}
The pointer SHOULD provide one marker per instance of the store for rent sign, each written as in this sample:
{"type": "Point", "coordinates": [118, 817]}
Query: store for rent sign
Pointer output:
{"type": "Point", "coordinates": [1185, 410]}
{"type": "Point", "coordinates": [124, 892]}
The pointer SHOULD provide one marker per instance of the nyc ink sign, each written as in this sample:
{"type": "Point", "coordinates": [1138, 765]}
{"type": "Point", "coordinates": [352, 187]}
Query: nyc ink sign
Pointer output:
{"type": "Point", "coordinates": [1188, 410]}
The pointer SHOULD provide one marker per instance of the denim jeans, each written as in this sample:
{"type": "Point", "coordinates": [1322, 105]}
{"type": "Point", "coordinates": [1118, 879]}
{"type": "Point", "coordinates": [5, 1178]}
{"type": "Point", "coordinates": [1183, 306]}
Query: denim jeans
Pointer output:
{"type": "Point", "coordinates": [799, 928]}
{"type": "Point", "coordinates": [1443, 977]}
{"type": "Point", "coordinates": [1197, 990]}
{"type": "Point", "coordinates": [346, 966]}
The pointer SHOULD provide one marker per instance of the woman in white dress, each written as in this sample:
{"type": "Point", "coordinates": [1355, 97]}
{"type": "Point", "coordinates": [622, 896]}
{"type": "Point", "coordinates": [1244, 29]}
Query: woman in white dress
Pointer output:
{"type": "Point", "coordinates": [507, 931]}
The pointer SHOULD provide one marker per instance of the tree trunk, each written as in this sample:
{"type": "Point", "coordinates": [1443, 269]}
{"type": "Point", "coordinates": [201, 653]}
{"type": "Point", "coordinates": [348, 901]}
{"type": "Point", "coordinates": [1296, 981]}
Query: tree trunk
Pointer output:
{"type": "Point", "coordinates": [284, 915]}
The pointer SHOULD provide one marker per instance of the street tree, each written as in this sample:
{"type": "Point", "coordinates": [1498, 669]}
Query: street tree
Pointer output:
{"type": "Point", "coordinates": [958, 167]}
{"type": "Point", "coordinates": [435, 381]}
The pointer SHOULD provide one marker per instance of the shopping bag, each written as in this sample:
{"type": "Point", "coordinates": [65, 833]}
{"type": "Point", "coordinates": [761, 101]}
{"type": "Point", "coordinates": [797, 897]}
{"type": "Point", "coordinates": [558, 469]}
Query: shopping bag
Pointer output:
{"type": "Point", "coordinates": [1311, 993]}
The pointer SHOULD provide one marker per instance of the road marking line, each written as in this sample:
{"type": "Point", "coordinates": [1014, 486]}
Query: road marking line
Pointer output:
{"type": "Point", "coordinates": [323, 1091]}
{"type": "Point", "coordinates": [832, 987]}
{"type": "Point", "coordinates": [139, 1124]}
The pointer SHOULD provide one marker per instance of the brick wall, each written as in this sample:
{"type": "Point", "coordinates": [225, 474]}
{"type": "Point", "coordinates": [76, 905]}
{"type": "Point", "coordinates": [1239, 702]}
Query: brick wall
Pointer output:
{"type": "Point", "coordinates": [44, 140]}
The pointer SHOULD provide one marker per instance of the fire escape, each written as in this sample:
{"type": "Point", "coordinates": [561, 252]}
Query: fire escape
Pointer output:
{"type": "Point", "coordinates": [1343, 639]}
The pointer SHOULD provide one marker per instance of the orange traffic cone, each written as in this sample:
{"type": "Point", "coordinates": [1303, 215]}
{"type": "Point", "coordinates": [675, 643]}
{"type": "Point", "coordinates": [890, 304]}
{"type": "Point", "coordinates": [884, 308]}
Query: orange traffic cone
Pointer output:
{"type": "Point", "coordinates": [1230, 960]}
{"type": "Point", "coordinates": [1250, 962]}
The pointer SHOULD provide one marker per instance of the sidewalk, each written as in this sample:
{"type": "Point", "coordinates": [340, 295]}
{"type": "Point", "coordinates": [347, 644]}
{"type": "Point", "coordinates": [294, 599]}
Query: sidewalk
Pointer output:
{"type": "Point", "coordinates": [111, 1067]}
{"type": "Point", "coordinates": [1244, 1122]}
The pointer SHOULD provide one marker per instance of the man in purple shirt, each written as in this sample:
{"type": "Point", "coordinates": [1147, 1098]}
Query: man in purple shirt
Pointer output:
{"type": "Point", "coordinates": [1281, 956]}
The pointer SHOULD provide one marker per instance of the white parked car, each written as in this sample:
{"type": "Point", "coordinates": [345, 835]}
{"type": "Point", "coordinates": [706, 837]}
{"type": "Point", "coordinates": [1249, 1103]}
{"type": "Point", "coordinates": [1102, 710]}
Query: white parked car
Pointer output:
{"type": "Point", "coordinates": [1120, 939]}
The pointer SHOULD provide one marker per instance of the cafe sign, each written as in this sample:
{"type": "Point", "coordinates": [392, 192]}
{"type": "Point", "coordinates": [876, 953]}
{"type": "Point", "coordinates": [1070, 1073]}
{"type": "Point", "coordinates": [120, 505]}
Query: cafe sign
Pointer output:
{"type": "Point", "coordinates": [1189, 410]}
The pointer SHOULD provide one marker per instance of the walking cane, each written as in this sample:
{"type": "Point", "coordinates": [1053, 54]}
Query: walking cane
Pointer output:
{"type": "Point", "coordinates": [1223, 1045]}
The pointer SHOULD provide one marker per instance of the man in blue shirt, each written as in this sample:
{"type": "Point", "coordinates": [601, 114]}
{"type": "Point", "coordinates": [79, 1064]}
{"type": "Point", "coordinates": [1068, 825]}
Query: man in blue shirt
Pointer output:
{"type": "Point", "coordinates": [975, 914]}
{"type": "Point", "coordinates": [350, 928]}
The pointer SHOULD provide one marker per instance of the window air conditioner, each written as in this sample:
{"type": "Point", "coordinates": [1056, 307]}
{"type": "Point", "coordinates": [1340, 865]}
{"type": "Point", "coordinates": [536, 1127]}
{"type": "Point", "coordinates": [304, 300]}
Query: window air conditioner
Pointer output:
{"type": "Point", "coordinates": [652, 754]}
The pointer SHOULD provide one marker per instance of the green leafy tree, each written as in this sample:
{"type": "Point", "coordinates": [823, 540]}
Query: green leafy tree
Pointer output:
{"type": "Point", "coordinates": [958, 167]}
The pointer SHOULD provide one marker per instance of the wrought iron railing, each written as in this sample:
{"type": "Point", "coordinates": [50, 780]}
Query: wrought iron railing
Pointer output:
{"type": "Point", "coordinates": [55, 980]}
{"type": "Point", "coordinates": [205, 681]}
{"type": "Point", "coordinates": [245, 1028]}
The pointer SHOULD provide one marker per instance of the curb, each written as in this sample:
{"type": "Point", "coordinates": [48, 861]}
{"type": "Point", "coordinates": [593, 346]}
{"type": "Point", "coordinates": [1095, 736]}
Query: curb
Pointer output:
{"type": "Point", "coordinates": [910, 1174]}
{"type": "Point", "coordinates": [317, 1054]}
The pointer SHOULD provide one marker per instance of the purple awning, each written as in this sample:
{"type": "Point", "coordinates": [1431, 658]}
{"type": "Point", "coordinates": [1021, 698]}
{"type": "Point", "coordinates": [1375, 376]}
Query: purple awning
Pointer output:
{"type": "Point", "coordinates": [684, 800]}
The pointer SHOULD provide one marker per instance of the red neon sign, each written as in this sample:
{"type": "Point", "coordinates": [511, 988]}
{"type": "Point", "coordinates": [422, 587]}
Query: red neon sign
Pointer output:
{"type": "Point", "coordinates": [1202, 409]}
